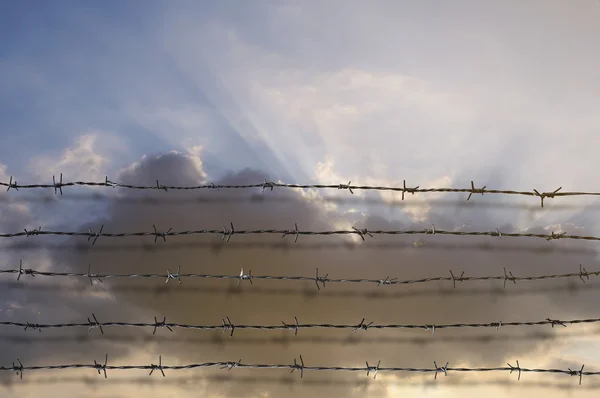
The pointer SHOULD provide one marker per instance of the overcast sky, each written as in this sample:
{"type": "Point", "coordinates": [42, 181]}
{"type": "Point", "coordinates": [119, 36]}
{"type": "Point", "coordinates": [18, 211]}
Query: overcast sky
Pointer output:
{"type": "Point", "coordinates": [439, 94]}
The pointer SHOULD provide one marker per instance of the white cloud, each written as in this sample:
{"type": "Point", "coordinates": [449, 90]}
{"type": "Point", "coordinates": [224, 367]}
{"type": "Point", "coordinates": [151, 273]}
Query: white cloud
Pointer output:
{"type": "Point", "coordinates": [81, 161]}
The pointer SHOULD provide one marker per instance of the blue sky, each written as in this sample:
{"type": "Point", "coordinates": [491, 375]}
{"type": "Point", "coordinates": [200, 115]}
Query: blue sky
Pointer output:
{"type": "Point", "coordinates": [434, 93]}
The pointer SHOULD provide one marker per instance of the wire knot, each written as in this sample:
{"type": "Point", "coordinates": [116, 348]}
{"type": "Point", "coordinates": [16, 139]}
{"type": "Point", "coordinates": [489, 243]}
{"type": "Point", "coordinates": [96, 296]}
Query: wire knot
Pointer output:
{"type": "Point", "coordinates": [362, 232]}
{"type": "Point", "coordinates": [245, 277]}
{"type": "Point", "coordinates": [162, 235]}
{"type": "Point", "coordinates": [161, 324]}
{"type": "Point", "coordinates": [475, 190]}
{"type": "Point", "coordinates": [96, 235]}
{"type": "Point", "coordinates": [299, 367]}
{"type": "Point", "coordinates": [24, 271]}
{"type": "Point", "coordinates": [33, 326]}
{"type": "Point", "coordinates": [362, 326]}
{"type": "Point", "coordinates": [509, 277]}
{"type": "Point", "coordinates": [387, 281]}
{"type": "Point", "coordinates": [33, 232]}
{"type": "Point", "coordinates": [577, 373]}
{"type": "Point", "coordinates": [154, 367]}
{"type": "Point", "coordinates": [267, 184]}
{"type": "Point", "coordinates": [57, 185]}
{"type": "Point", "coordinates": [554, 322]}
{"type": "Point", "coordinates": [346, 186]}
{"type": "Point", "coordinates": [161, 187]}
{"type": "Point", "coordinates": [227, 325]}
{"type": "Point", "coordinates": [12, 185]}
{"type": "Point", "coordinates": [408, 190]}
{"type": "Point", "coordinates": [228, 232]}
{"type": "Point", "coordinates": [231, 365]}
{"type": "Point", "coordinates": [440, 369]}
{"type": "Point", "coordinates": [94, 324]}
{"type": "Point", "coordinates": [18, 369]}
{"type": "Point", "coordinates": [583, 272]}
{"type": "Point", "coordinates": [101, 368]}
{"type": "Point", "coordinates": [459, 279]}
{"type": "Point", "coordinates": [291, 326]}
{"type": "Point", "coordinates": [373, 369]}
{"type": "Point", "coordinates": [555, 236]}
{"type": "Point", "coordinates": [174, 276]}
{"type": "Point", "coordinates": [544, 195]}
{"type": "Point", "coordinates": [321, 279]}
{"type": "Point", "coordinates": [93, 276]}
{"type": "Point", "coordinates": [292, 232]}
{"type": "Point", "coordinates": [515, 369]}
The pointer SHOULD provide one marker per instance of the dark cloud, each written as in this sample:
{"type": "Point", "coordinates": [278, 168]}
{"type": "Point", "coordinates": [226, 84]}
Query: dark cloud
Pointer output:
{"type": "Point", "coordinates": [267, 302]}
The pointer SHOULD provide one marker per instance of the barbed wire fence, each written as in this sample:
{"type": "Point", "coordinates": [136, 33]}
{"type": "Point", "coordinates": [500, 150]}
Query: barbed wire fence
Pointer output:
{"type": "Point", "coordinates": [226, 325]}
{"type": "Point", "coordinates": [270, 185]}
{"type": "Point", "coordinates": [102, 368]}
{"type": "Point", "coordinates": [508, 276]}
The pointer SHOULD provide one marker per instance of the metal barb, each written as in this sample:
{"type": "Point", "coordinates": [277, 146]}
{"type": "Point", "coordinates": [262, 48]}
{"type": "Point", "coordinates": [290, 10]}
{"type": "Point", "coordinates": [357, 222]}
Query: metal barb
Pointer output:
{"type": "Point", "coordinates": [174, 276]}
{"type": "Point", "coordinates": [346, 186]}
{"type": "Point", "coordinates": [474, 190]}
{"type": "Point", "coordinates": [228, 325]}
{"type": "Point", "coordinates": [92, 276]}
{"type": "Point", "coordinates": [362, 233]}
{"type": "Point", "coordinates": [267, 184]}
{"type": "Point", "coordinates": [555, 236]}
{"type": "Point", "coordinates": [228, 232]}
{"type": "Point", "coordinates": [12, 185]}
{"type": "Point", "coordinates": [362, 326]}
{"type": "Point", "coordinates": [161, 324]}
{"type": "Point", "coordinates": [292, 232]}
{"type": "Point", "coordinates": [300, 366]}
{"type": "Point", "coordinates": [409, 190]}
{"type": "Point", "coordinates": [245, 277]}
{"type": "Point", "coordinates": [160, 234]}
{"type": "Point", "coordinates": [577, 373]}
{"type": "Point", "coordinates": [24, 271]}
{"type": "Point", "coordinates": [583, 272]}
{"type": "Point", "coordinates": [440, 369]}
{"type": "Point", "coordinates": [556, 322]}
{"type": "Point", "coordinates": [454, 279]}
{"type": "Point", "coordinates": [100, 367]}
{"type": "Point", "coordinates": [94, 324]}
{"type": "Point", "coordinates": [57, 185]}
{"type": "Point", "coordinates": [109, 183]}
{"type": "Point", "coordinates": [33, 326]}
{"type": "Point", "coordinates": [161, 187]}
{"type": "Point", "coordinates": [231, 365]}
{"type": "Point", "coordinates": [290, 326]}
{"type": "Point", "coordinates": [159, 367]}
{"type": "Point", "coordinates": [35, 231]}
{"type": "Point", "coordinates": [387, 281]}
{"type": "Point", "coordinates": [430, 327]}
{"type": "Point", "coordinates": [515, 368]}
{"type": "Point", "coordinates": [320, 279]}
{"type": "Point", "coordinates": [546, 195]}
{"type": "Point", "coordinates": [509, 277]}
{"type": "Point", "coordinates": [96, 235]}
{"type": "Point", "coordinates": [18, 369]}
{"type": "Point", "coordinates": [373, 369]}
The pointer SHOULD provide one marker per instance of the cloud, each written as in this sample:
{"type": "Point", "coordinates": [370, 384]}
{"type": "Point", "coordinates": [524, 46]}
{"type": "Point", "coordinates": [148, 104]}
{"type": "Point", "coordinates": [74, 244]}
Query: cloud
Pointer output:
{"type": "Point", "coordinates": [205, 301]}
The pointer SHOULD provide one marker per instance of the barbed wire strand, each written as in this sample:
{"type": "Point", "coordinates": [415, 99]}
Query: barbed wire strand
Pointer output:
{"type": "Point", "coordinates": [58, 186]}
{"type": "Point", "coordinates": [228, 325]}
{"type": "Point", "coordinates": [102, 368]}
{"type": "Point", "coordinates": [508, 276]}
{"type": "Point", "coordinates": [228, 232]}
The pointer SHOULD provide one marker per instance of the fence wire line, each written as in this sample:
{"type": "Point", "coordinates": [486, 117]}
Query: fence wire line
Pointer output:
{"type": "Point", "coordinates": [508, 276]}
{"type": "Point", "coordinates": [59, 185]}
{"type": "Point", "coordinates": [228, 325]}
{"type": "Point", "coordinates": [227, 232]}
{"type": "Point", "coordinates": [102, 368]}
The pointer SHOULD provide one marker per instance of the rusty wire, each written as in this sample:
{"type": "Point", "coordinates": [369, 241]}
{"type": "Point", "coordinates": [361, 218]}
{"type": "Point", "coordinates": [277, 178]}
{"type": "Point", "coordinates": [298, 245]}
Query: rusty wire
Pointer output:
{"type": "Point", "coordinates": [102, 368]}
{"type": "Point", "coordinates": [59, 185]}
{"type": "Point", "coordinates": [228, 325]}
{"type": "Point", "coordinates": [227, 233]}
{"type": "Point", "coordinates": [508, 276]}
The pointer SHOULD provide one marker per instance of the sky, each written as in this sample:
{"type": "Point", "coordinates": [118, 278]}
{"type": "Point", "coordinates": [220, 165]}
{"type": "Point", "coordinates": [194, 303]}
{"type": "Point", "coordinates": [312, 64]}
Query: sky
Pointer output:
{"type": "Point", "coordinates": [438, 94]}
